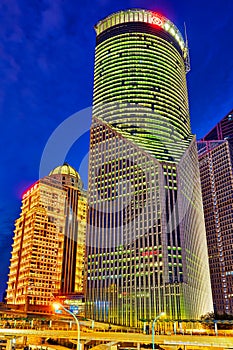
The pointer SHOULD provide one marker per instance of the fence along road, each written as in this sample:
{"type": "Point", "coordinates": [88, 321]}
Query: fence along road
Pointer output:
{"type": "Point", "coordinates": [190, 340]}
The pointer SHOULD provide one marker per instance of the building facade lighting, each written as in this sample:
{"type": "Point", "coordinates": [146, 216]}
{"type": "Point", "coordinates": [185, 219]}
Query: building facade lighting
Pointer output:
{"type": "Point", "coordinates": [146, 244]}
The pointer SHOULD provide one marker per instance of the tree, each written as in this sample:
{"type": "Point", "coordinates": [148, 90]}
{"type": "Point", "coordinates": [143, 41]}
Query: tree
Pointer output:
{"type": "Point", "coordinates": [224, 321]}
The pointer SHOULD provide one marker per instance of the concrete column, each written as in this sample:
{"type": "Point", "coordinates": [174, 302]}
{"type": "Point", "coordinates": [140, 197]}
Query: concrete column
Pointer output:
{"type": "Point", "coordinates": [138, 346]}
{"type": "Point", "coordinates": [24, 340]}
{"type": "Point", "coordinates": [216, 328]}
{"type": "Point", "coordinates": [9, 344]}
{"type": "Point", "coordinates": [144, 327]}
{"type": "Point", "coordinates": [174, 326]}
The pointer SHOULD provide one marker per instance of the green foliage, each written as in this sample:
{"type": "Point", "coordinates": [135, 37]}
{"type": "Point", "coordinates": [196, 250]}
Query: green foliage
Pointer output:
{"type": "Point", "coordinates": [208, 316]}
{"type": "Point", "coordinates": [224, 321]}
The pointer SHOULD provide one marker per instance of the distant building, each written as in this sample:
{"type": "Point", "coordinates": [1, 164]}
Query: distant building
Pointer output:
{"type": "Point", "coordinates": [222, 131]}
{"type": "Point", "coordinates": [146, 241]}
{"type": "Point", "coordinates": [49, 242]}
{"type": "Point", "coordinates": [216, 169]}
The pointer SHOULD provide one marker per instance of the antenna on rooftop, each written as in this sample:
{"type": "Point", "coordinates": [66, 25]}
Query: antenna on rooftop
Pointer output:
{"type": "Point", "coordinates": [186, 51]}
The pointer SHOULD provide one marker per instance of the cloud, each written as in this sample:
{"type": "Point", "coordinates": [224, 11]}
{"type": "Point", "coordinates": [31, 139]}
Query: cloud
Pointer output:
{"type": "Point", "coordinates": [52, 18]}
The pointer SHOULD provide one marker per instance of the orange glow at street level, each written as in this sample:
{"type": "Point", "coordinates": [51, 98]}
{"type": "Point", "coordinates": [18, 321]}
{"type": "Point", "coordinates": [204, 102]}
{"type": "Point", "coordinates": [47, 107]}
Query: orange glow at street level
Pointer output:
{"type": "Point", "coordinates": [56, 305]}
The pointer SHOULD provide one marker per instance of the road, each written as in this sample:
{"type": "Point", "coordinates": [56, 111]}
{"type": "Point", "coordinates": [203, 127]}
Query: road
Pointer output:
{"type": "Point", "coordinates": [178, 340]}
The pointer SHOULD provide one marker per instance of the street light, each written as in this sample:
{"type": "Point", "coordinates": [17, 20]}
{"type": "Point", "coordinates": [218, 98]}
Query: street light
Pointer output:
{"type": "Point", "coordinates": [153, 328]}
{"type": "Point", "coordinates": [57, 306]}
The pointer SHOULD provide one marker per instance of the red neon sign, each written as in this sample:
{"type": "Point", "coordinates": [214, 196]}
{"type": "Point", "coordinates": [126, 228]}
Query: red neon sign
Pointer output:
{"type": "Point", "coordinates": [30, 190]}
{"type": "Point", "coordinates": [148, 253]}
{"type": "Point", "coordinates": [157, 21]}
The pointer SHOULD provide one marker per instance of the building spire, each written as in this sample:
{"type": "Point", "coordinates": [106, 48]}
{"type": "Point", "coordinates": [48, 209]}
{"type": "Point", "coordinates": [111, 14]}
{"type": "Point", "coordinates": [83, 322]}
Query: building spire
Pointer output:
{"type": "Point", "coordinates": [186, 49]}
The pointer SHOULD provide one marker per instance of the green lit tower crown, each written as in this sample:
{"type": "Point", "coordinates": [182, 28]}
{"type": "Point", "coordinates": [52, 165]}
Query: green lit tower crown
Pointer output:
{"type": "Point", "coordinates": [146, 249]}
{"type": "Point", "coordinates": [140, 80]}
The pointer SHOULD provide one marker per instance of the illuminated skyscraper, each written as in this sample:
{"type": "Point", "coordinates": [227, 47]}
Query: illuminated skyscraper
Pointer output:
{"type": "Point", "coordinates": [216, 169]}
{"type": "Point", "coordinates": [146, 243]}
{"type": "Point", "coordinates": [49, 242]}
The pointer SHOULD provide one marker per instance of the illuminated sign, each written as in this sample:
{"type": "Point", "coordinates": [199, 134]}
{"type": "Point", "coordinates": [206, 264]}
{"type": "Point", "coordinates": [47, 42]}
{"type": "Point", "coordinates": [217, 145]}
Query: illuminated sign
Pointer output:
{"type": "Point", "coordinates": [156, 20]}
{"type": "Point", "coordinates": [72, 302]}
{"type": "Point", "coordinates": [30, 191]}
{"type": "Point", "coordinates": [148, 253]}
{"type": "Point", "coordinates": [74, 309]}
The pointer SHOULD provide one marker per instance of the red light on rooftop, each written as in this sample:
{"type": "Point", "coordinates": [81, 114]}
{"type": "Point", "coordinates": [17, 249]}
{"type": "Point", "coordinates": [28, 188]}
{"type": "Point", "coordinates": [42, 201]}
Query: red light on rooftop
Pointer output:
{"type": "Point", "coordinates": [157, 20]}
{"type": "Point", "coordinates": [26, 193]}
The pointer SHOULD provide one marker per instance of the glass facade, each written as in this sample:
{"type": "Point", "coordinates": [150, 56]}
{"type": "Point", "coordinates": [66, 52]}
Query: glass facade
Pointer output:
{"type": "Point", "coordinates": [146, 245]}
{"type": "Point", "coordinates": [140, 85]}
{"type": "Point", "coordinates": [215, 162]}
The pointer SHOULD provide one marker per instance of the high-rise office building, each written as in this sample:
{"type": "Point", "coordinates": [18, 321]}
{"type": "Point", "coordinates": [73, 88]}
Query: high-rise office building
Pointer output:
{"type": "Point", "coordinates": [216, 170]}
{"type": "Point", "coordinates": [146, 244]}
{"type": "Point", "coordinates": [49, 242]}
{"type": "Point", "coordinates": [222, 130]}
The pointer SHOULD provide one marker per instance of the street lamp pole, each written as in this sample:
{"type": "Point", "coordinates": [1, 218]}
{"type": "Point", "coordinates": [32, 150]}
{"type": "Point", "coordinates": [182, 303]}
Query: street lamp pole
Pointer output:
{"type": "Point", "coordinates": [57, 306]}
{"type": "Point", "coordinates": [153, 328]}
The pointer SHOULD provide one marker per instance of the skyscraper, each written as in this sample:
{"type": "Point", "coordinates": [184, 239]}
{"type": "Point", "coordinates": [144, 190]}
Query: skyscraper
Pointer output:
{"type": "Point", "coordinates": [222, 130]}
{"type": "Point", "coordinates": [216, 170]}
{"type": "Point", "coordinates": [49, 242]}
{"type": "Point", "coordinates": [146, 243]}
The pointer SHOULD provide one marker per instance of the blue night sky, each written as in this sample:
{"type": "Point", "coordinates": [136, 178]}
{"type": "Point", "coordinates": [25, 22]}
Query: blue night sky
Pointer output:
{"type": "Point", "coordinates": [46, 75]}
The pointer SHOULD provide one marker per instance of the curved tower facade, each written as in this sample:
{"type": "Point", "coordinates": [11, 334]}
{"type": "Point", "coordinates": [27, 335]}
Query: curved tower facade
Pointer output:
{"type": "Point", "coordinates": [140, 80]}
{"type": "Point", "coordinates": [147, 249]}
